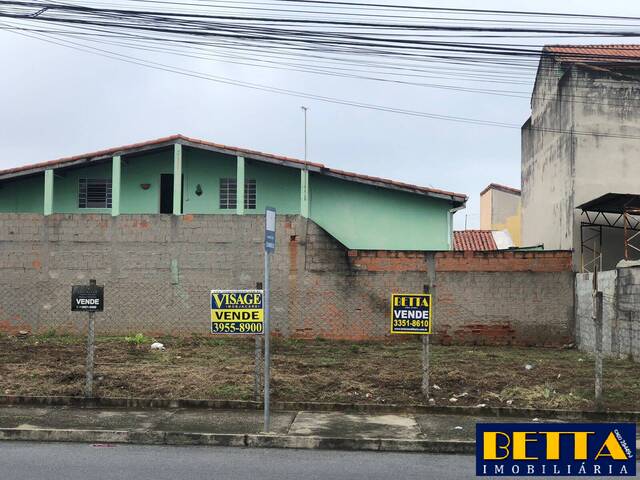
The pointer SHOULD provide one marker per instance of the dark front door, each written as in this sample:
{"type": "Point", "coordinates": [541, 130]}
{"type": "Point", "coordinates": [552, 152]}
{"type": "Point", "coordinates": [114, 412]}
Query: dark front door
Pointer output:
{"type": "Point", "coordinates": [166, 193]}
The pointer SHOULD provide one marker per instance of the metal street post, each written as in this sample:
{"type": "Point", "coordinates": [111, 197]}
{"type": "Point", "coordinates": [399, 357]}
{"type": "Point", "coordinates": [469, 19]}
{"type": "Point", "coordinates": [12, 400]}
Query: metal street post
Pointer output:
{"type": "Point", "coordinates": [269, 248]}
{"type": "Point", "coordinates": [257, 360]}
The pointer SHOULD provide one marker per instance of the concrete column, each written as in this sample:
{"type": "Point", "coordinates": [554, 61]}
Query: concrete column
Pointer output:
{"type": "Point", "coordinates": [450, 229]}
{"type": "Point", "coordinates": [240, 186]}
{"type": "Point", "coordinates": [177, 179]}
{"type": "Point", "coordinates": [304, 193]}
{"type": "Point", "coordinates": [48, 192]}
{"type": "Point", "coordinates": [115, 185]}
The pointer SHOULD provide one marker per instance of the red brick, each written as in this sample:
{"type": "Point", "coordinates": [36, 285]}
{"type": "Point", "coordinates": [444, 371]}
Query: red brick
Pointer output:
{"type": "Point", "coordinates": [504, 262]}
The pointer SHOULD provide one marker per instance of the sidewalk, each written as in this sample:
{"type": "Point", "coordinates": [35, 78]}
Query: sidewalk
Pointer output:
{"type": "Point", "coordinates": [435, 433]}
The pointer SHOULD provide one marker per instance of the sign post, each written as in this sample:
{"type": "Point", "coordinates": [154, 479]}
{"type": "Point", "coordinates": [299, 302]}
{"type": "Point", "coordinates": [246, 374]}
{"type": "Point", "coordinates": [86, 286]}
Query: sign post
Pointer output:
{"type": "Point", "coordinates": [430, 289]}
{"type": "Point", "coordinates": [88, 388]}
{"type": "Point", "coordinates": [425, 357]}
{"type": "Point", "coordinates": [88, 298]}
{"type": "Point", "coordinates": [411, 314]}
{"type": "Point", "coordinates": [240, 312]}
{"type": "Point", "coordinates": [269, 248]}
{"type": "Point", "coordinates": [246, 312]}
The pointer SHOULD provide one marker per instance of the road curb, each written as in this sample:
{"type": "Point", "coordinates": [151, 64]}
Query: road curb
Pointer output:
{"type": "Point", "coordinates": [612, 416]}
{"type": "Point", "coordinates": [237, 440]}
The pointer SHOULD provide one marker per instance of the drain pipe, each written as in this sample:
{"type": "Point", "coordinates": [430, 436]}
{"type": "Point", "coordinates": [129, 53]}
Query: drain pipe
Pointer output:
{"type": "Point", "coordinates": [450, 224]}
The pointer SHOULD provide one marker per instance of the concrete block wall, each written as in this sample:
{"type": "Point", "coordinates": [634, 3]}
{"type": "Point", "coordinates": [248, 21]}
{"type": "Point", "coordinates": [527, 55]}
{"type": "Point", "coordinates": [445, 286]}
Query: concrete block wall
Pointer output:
{"type": "Point", "coordinates": [627, 332]}
{"type": "Point", "coordinates": [158, 271]}
{"type": "Point", "coordinates": [585, 327]}
{"type": "Point", "coordinates": [621, 312]}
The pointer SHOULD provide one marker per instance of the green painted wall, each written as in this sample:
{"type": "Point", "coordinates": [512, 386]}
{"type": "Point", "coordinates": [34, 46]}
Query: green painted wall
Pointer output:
{"type": "Point", "coordinates": [66, 185]}
{"type": "Point", "coordinates": [277, 187]}
{"type": "Point", "coordinates": [360, 216]}
{"type": "Point", "coordinates": [363, 217]}
{"type": "Point", "coordinates": [143, 169]}
{"type": "Point", "coordinates": [205, 168]}
{"type": "Point", "coordinates": [25, 195]}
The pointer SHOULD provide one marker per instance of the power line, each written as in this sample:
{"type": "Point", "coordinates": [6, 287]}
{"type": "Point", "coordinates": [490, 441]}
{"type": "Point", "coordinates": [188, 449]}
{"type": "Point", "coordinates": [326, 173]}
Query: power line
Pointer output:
{"type": "Point", "coordinates": [382, 50]}
{"type": "Point", "coordinates": [319, 41]}
{"type": "Point", "coordinates": [299, 94]}
{"type": "Point", "coordinates": [345, 73]}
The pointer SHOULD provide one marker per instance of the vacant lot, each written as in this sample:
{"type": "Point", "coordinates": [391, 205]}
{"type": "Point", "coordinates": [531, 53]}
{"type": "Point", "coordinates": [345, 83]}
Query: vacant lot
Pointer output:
{"type": "Point", "coordinates": [221, 368]}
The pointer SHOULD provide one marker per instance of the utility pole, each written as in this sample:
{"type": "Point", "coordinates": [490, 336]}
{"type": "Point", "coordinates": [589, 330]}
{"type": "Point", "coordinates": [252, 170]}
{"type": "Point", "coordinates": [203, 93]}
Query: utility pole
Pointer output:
{"type": "Point", "coordinates": [304, 110]}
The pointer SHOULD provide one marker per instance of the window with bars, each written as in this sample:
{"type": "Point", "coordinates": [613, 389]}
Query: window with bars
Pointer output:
{"type": "Point", "coordinates": [94, 193]}
{"type": "Point", "coordinates": [250, 194]}
{"type": "Point", "coordinates": [228, 193]}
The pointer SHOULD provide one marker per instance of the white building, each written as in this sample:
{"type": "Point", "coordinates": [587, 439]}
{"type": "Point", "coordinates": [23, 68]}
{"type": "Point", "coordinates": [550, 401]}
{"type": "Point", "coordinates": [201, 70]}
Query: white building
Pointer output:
{"type": "Point", "coordinates": [582, 141]}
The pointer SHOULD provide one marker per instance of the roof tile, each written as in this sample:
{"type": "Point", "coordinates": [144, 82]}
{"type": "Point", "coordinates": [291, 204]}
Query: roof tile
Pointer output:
{"type": "Point", "coordinates": [629, 53]}
{"type": "Point", "coordinates": [240, 151]}
{"type": "Point", "coordinates": [476, 240]}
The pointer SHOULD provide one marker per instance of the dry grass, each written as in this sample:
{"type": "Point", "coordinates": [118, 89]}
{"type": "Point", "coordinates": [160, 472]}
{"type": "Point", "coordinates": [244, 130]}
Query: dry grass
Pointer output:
{"type": "Point", "coordinates": [222, 368]}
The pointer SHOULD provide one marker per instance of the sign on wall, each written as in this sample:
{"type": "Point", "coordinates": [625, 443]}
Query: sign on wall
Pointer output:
{"type": "Point", "coordinates": [411, 313]}
{"type": "Point", "coordinates": [87, 298]}
{"type": "Point", "coordinates": [237, 312]}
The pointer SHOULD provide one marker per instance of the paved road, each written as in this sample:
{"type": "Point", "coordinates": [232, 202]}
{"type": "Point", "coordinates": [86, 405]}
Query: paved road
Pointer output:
{"type": "Point", "coordinates": [59, 461]}
{"type": "Point", "coordinates": [51, 461]}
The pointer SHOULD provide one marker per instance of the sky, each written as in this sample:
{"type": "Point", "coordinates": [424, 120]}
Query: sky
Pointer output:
{"type": "Point", "coordinates": [58, 102]}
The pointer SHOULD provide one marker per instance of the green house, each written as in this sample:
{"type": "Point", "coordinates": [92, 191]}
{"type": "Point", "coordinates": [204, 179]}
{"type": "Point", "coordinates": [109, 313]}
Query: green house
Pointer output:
{"type": "Point", "coordinates": [179, 175]}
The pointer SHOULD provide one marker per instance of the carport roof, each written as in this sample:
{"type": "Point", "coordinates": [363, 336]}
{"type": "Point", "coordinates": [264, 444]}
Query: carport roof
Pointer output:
{"type": "Point", "coordinates": [612, 203]}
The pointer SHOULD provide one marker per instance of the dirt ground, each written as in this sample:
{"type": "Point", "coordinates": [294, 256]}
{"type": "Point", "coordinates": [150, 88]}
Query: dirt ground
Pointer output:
{"type": "Point", "coordinates": [317, 370]}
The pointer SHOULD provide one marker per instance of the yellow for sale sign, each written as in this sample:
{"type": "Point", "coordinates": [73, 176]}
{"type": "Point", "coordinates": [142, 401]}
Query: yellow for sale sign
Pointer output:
{"type": "Point", "coordinates": [411, 313]}
{"type": "Point", "coordinates": [238, 312]}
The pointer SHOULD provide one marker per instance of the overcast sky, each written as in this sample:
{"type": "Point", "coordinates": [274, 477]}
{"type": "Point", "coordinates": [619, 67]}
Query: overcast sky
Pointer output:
{"type": "Point", "coordinates": [57, 102]}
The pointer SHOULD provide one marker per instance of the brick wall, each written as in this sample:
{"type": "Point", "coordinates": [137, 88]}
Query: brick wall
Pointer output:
{"type": "Point", "coordinates": [515, 298]}
{"type": "Point", "coordinates": [504, 261]}
{"type": "Point", "coordinates": [158, 270]}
